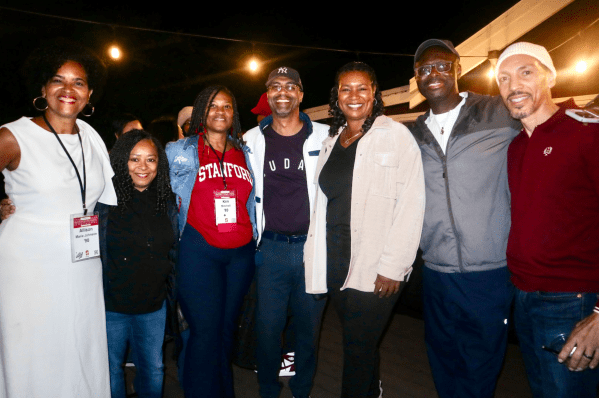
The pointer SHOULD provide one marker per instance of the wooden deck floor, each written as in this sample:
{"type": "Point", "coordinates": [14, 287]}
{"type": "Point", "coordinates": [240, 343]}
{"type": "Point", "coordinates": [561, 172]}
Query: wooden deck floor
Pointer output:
{"type": "Point", "coordinates": [404, 366]}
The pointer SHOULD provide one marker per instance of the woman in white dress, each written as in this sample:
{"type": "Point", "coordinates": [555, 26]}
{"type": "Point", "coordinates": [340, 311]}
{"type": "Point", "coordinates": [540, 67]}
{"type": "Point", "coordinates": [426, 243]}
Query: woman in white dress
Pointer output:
{"type": "Point", "coordinates": [52, 322]}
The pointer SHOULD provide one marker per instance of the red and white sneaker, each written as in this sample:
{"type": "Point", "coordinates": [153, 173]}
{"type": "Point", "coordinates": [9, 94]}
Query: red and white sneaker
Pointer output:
{"type": "Point", "coordinates": [288, 365]}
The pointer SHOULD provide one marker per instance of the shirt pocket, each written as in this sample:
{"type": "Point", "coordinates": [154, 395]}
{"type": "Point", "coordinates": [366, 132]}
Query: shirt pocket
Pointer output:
{"type": "Point", "coordinates": [384, 180]}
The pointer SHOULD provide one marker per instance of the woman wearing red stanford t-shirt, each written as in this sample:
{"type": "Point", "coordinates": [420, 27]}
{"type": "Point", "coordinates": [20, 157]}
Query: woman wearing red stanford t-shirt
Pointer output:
{"type": "Point", "coordinates": [214, 188]}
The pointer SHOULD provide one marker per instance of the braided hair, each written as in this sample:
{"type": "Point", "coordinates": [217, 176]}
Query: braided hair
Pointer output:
{"type": "Point", "coordinates": [197, 122]}
{"type": "Point", "coordinates": [334, 110]}
{"type": "Point", "coordinates": [123, 184]}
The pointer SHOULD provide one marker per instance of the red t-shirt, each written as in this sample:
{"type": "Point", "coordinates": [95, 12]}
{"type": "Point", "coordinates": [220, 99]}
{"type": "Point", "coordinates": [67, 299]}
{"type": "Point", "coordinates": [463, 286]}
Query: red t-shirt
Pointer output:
{"type": "Point", "coordinates": [201, 213]}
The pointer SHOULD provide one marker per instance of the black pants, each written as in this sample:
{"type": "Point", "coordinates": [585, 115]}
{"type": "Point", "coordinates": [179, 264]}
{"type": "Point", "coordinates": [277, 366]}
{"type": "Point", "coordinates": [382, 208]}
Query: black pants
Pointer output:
{"type": "Point", "coordinates": [363, 316]}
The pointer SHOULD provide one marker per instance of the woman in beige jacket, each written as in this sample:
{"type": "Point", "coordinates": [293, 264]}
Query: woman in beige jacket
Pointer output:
{"type": "Point", "coordinates": [367, 221]}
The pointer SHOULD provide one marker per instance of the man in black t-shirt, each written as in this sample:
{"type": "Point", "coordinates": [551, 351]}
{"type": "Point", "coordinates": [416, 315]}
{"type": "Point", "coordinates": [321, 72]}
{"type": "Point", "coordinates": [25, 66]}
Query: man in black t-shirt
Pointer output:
{"type": "Point", "coordinates": [284, 149]}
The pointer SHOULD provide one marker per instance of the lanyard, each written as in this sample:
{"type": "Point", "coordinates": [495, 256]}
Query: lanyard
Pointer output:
{"type": "Point", "coordinates": [221, 161]}
{"type": "Point", "coordinates": [82, 185]}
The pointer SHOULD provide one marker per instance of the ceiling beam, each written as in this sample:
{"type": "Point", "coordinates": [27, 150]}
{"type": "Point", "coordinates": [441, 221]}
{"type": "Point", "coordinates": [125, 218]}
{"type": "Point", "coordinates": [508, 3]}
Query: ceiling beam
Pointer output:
{"type": "Point", "coordinates": [503, 31]}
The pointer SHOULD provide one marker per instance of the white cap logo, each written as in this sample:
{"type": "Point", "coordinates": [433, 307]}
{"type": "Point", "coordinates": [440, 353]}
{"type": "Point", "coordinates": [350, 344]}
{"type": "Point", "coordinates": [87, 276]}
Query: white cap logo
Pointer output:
{"type": "Point", "coordinates": [282, 70]}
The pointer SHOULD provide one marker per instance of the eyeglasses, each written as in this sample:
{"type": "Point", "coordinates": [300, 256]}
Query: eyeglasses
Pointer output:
{"type": "Point", "coordinates": [425, 70]}
{"type": "Point", "coordinates": [289, 87]}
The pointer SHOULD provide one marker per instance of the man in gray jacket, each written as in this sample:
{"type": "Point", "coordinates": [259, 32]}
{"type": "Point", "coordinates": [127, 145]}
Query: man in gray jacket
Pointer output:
{"type": "Point", "coordinates": [467, 293]}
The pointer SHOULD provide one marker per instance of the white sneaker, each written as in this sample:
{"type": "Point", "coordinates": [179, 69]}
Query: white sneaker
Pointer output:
{"type": "Point", "coordinates": [288, 365]}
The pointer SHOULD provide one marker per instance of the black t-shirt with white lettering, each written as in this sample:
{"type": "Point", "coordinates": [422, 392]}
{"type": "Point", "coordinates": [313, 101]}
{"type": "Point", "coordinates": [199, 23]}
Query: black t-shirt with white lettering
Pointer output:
{"type": "Point", "coordinates": [286, 203]}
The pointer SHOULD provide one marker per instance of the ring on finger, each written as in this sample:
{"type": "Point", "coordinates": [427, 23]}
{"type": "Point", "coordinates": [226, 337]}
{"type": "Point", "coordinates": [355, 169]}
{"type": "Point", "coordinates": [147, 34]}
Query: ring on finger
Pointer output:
{"type": "Point", "coordinates": [586, 356]}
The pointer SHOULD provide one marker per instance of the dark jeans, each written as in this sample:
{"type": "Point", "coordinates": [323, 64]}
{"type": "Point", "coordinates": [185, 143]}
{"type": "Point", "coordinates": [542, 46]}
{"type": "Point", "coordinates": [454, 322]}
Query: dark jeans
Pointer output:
{"type": "Point", "coordinates": [466, 323]}
{"type": "Point", "coordinates": [145, 334]}
{"type": "Point", "coordinates": [281, 285]}
{"type": "Point", "coordinates": [540, 317]}
{"type": "Point", "coordinates": [212, 283]}
{"type": "Point", "coordinates": [364, 316]}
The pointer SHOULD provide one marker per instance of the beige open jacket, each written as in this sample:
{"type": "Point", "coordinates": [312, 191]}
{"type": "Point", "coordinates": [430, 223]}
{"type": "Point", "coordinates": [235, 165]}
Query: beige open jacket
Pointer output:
{"type": "Point", "coordinates": [387, 210]}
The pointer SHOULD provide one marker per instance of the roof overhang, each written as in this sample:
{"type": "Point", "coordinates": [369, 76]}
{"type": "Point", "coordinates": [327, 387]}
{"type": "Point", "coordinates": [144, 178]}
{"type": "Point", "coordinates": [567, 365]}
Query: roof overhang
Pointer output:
{"type": "Point", "coordinates": [501, 32]}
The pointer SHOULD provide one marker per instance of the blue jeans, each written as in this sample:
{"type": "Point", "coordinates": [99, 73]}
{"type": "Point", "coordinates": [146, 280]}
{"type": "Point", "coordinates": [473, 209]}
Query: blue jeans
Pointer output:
{"type": "Point", "coordinates": [280, 284]}
{"type": "Point", "coordinates": [181, 360]}
{"type": "Point", "coordinates": [540, 317]}
{"type": "Point", "coordinates": [211, 285]}
{"type": "Point", "coordinates": [145, 334]}
{"type": "Point", "coordinates": [465, 327]}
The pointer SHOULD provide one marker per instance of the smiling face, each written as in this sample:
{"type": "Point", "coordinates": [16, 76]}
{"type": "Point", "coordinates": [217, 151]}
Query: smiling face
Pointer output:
{"type": "Point", "coordinates": [143, 164]}
{"type": "Point", "coordinates": [438, 86]}
{"type": "Point", "coordinates": [355, 95]}
{"type": "Point", "coordinates": [220, 114]}
{"type": "Point", "coordinates": [67, 91]}
{"type": "Point", "coordinates": [525, 86]}
{"type": "Point", "coordinates": [284, 103]}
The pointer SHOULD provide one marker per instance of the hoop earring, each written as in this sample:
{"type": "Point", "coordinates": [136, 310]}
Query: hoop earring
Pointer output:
{"type": "Point", "coordinates": [337, 104]}
{"type": "Point", "coordinates": [374, 102]}
{"type": "Point", "coordinates": [87, 106]}
{"type": "Point", "coordinates": [35, 105]}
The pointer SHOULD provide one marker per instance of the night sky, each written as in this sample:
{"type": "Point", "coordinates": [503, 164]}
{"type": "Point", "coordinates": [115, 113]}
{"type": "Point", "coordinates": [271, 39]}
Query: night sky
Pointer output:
{"type": "Point", "coordinates": [161, 72]}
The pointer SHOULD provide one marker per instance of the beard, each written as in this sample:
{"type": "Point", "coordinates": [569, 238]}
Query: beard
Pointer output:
{"type": "Point", "coordinates": [518, 112]}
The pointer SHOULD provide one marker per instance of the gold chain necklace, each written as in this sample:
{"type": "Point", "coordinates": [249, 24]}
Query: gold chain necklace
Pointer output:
{"type": "Point", "coordinates": [347, 140]}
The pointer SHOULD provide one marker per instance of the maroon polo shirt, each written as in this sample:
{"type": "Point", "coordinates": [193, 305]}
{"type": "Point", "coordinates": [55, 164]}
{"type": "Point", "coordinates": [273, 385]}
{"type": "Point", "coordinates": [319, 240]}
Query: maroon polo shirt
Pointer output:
{"type": "Point", "coordinates": [554, 183]}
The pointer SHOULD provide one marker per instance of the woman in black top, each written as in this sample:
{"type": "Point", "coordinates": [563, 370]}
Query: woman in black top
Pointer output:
{"type": "Point", "coordinates": [137, 243]}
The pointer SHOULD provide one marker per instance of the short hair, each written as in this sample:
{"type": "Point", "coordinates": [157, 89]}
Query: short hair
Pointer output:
{"type": "Point", "coordinates": [334, 110]}
{"type": "Point", "coordinates": [123, 184]}
{"type": "Point", "coordinates": [120, 120]}
{"type": "Point", "coordinates": [197, 123]}
{"type": "Point", "coordinates": [43, 63]}
{"type": "Point", "coordinates": [165, 129]}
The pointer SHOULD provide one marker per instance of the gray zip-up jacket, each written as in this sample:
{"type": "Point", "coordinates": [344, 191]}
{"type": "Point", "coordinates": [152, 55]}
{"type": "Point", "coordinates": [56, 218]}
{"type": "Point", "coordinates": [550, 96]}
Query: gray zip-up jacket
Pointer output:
{"type": "Point", "coordinates": [467, 215]}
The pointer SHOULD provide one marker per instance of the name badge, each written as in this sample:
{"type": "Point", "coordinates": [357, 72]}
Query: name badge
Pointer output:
{"type": "Point", "coordinates": [225, 208]}
{"type": "Point", "coordinates": [85, 237]}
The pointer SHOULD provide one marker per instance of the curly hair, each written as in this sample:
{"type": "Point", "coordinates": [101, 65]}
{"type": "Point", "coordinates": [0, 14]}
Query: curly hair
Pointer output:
{"type": "Point", "coordinates": [43, 63]}
{"type": "Point", "coordinates": [123, 184]}
{"type": "Point", "coordinates": [200, 113]}
{"type": "Point", "coordinates": [334, 111]}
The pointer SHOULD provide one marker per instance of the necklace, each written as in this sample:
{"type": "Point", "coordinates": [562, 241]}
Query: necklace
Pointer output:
{"type": "Point", "coordinates": [347, 140]}
{"type": "Point", "coordinates": [442, 121]}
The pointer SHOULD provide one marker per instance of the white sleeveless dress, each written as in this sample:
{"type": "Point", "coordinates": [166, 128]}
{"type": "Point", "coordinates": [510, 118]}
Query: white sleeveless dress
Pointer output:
{"type": "Point", "coordinates": [52, 320]}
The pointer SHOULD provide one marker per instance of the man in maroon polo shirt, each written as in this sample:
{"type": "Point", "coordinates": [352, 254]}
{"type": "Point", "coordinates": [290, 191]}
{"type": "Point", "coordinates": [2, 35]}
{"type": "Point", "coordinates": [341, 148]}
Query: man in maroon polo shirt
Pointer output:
{"type": "Point", "coordinates": [553, 247]}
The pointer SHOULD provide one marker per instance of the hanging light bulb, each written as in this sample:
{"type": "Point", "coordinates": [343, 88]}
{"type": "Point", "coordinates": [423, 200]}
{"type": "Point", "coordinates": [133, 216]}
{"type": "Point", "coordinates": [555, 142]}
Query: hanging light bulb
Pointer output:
{"type": "Point", "coordinates": [115, 52]}
{"type": "Point", "coordinates": [581, 66]}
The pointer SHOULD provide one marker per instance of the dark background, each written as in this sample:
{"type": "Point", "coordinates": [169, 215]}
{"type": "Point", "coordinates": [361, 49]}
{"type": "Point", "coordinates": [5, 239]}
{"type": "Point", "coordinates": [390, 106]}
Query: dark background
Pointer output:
{"type": "Point", "coordinates": [162, 72]}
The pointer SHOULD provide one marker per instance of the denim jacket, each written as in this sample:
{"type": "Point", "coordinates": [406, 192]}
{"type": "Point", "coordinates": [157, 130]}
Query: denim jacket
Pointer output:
{"type": "Point", "coordinates": [184, 166]}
